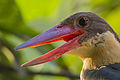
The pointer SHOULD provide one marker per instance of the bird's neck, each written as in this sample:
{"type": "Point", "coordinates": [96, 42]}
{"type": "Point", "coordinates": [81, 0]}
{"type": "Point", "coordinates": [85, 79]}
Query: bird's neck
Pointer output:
{"type": "Point", "coordinates": [105, 53]}
{"type": "Point", "coordinates": [99, 51]}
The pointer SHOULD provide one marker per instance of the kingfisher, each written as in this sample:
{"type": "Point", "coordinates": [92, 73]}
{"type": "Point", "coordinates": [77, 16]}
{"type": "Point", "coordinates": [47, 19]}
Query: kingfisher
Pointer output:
{"type": "Point", "coordinates": [88, 36]}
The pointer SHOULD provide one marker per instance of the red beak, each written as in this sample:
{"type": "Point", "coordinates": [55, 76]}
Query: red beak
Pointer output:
{"type": "Point", "coordinates": [57, 33]}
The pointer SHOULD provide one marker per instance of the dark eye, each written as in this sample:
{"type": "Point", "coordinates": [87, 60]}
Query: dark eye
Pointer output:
{"type": "Point", "coordinates": [83, 21]}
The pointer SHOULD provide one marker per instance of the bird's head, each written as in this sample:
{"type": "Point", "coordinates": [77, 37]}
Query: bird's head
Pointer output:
{"type": "Point", "coordinates": [80, 31]}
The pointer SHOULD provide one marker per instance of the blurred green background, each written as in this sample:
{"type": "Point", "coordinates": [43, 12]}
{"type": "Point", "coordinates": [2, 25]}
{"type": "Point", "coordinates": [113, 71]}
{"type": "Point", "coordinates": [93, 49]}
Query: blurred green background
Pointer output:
{"type": "Point", "coordinates": [21, 20]}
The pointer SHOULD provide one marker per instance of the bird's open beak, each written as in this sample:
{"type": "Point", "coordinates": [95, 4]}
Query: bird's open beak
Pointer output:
{"type": "Point", "coordinates": [57, 33]}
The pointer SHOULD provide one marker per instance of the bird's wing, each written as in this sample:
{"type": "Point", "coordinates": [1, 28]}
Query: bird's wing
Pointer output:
{"type": "Point", "coordinates": [110, 72]}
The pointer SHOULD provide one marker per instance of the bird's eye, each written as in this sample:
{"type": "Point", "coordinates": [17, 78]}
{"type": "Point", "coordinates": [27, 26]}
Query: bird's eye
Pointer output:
{"type": "Point", "coordinates": [83, 21]}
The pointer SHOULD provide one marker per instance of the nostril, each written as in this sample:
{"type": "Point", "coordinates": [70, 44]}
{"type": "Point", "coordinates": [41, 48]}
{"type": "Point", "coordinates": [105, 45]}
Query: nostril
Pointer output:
{"type": "Point", "coordinates": [59, 26]}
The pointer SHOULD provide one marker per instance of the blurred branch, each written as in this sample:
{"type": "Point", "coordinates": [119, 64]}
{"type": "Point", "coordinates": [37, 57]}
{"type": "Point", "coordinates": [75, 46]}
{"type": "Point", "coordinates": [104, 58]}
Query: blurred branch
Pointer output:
{"type": "Point", "coordinates": [4, 68]}
{"type": "Point", "coordinates": [54, 74]}
{"type": "Point", "coordinates": [63, 66]}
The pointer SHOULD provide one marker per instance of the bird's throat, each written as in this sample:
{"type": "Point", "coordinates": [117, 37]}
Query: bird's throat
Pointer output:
{"type": "Point", "coordinates": [106, 51]}
{"type": "Point", "coordinates": [100, 50]}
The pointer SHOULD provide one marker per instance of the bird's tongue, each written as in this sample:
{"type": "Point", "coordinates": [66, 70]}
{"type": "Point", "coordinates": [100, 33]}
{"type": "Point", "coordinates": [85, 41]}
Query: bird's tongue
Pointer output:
{"type": "Point", "coordinates": [57, 33]}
